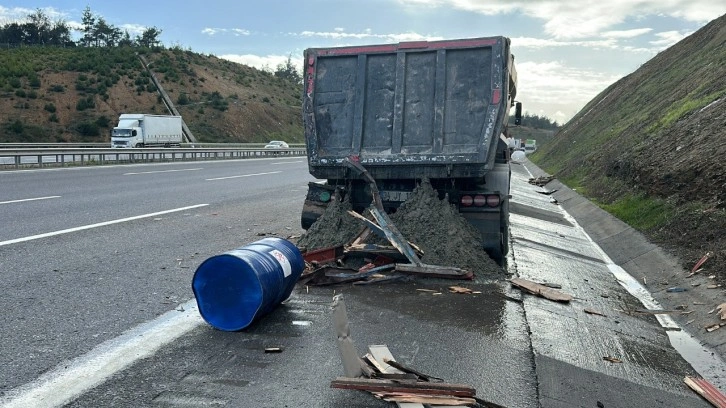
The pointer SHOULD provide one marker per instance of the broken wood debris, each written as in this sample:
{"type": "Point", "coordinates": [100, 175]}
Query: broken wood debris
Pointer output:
{"type": "Point", "coordinates": [541, 180]}
{"type": "Point", "coordinates": [722, 310]}
{"type": "Point", "coordinates": [612, 359]}
{"type": "Point", "coordinates": [435, 400]}
{"type": "Point", "coordinates": [700, 262]}
{"type": "Point", "coordinates": [594, 312]}
{"type": "Point", "coordinates": [706, 390]}
{"type": "Point", "coordinates": [714, 327]}
{"type": "Point", "coordinates": [541, 290]}
{"type": "Point", "coordinates": [435, 271]}
{"type": "Point", "coordinates": [420, 387]}
{"type": "Point", "coordinates": [378, 373]}
{"type": "Point", "coordinates": [421, 376]}
{"type": "Point", "coordinates": [463, 290]}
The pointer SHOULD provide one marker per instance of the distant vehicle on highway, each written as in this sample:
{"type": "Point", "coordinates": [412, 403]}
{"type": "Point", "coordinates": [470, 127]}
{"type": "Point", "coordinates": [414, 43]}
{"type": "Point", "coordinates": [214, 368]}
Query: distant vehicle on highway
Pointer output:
{"type": "Point", "coordinates": [141, 130]}
{"type": "Point", "coordinates": [277, 144]}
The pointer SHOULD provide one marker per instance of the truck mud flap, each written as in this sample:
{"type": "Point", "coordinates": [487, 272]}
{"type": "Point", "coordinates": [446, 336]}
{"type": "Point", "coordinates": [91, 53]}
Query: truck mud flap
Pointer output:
{"type": "Point", "coordinates": [489, 226]}
{"type": "Point", "coordinates": [316, 201]}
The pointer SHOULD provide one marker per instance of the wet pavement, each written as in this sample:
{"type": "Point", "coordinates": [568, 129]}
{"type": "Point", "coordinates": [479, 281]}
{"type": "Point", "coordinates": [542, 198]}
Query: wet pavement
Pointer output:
{"type": "Point", "coordinates": [570, 345]}
{"type": "Point", "coordinates": [531, 353]}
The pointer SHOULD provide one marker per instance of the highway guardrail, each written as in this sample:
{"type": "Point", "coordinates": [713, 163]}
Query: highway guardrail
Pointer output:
{"type": "Point", "coordinates": [82, 156]}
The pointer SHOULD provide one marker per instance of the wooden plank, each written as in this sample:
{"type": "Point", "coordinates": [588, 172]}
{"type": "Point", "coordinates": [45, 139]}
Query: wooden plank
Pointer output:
{"type": "Point", "coordinates": [435, 271]}
{"type": "Point", "coordinates": [362, 236]}
{"type": "Point", "coordinates": [426, 388]}
{"type": "Point", "coordinates": [422, 376]}
{"type": "Point", "coordinates": [372, 361]}
{"type": "Point", "coordinates": [707, 391]}
{"type": "Point", "coordinates": [352, 364]}
{"type": "Point", "coordinates": [394, 236]}
{"type": "Point", "coordinates": [541, 290]}
{"type": "Point", "coordinates": [436, 400]}
{"type": "Point", "coordinates": [382, 355]}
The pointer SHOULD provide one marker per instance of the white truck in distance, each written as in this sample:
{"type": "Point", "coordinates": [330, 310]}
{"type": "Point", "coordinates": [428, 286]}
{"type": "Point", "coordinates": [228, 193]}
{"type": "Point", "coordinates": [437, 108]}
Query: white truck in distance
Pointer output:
{"type": "Point", "coordinates": [141, 130]}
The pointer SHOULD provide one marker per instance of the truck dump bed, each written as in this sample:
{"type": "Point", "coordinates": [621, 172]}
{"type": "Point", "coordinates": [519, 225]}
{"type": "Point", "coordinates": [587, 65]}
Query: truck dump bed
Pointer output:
{"type": "Point", "coordinates": [434, 108]}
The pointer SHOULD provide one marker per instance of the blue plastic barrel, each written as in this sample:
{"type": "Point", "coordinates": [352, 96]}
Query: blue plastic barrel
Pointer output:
{"type": "Point", "coordinates": [237, 287]}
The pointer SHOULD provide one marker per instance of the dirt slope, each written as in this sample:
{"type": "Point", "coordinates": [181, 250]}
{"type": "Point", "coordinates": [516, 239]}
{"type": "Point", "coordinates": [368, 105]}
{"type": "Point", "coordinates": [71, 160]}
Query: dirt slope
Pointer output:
{"type": "Point", "coordinates": [651, 148]}
{"type": "Point", "coordinates": [50, 94]}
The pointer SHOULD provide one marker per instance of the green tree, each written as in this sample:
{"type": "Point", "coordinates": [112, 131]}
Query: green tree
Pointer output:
{"type": "Point", "coordinates": [149, 38]}
{"type": "Point", "coordinates": [125, 40]}
{"type": "Point", "coordinates": [88, 20]}
{"type": "Point", "coordinates": [288, 71]}
{"type": "Point", "coordinates": [38, 27]}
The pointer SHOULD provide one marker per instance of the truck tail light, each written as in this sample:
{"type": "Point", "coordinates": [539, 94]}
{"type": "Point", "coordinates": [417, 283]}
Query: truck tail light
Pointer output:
{"type": "Point", "coordinates": [493, 200]}
{"type": "Point", "coordinates": [467, 201]}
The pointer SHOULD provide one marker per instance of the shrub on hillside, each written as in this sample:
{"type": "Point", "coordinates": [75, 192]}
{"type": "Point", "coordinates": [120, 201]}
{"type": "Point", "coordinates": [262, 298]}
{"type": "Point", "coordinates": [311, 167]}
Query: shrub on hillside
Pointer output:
{"type": "Point", "coordinates": [88, 129]}
{"type": "Point", "coordinates": [85, 103]}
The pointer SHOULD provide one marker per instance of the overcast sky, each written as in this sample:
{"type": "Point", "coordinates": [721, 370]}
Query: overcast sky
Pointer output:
{"type": "Point", "coordinates": [566, 51]}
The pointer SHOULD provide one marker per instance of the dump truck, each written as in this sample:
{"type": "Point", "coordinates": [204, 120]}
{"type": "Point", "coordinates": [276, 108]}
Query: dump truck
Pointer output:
{"type": "Point", "coordinates": [411, 111]}
{"type": "Point", "coordinates": [143, 130]}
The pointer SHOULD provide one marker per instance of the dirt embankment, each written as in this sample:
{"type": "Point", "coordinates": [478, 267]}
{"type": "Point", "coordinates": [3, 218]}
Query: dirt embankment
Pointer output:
{"type": "Point", "coordinates": [651, 149]}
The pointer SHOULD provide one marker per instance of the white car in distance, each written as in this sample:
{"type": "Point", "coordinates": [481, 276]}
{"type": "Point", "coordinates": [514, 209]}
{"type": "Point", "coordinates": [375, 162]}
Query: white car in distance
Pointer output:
{"type": "Point", "coordinates": [277, 144]}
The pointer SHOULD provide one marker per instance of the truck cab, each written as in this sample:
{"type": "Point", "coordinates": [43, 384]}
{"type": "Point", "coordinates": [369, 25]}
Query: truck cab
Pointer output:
{"type": "Point", "coordinates": [128, 132]}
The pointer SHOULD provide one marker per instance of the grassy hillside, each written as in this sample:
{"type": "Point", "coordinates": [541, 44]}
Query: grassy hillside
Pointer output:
{"type": "Point", "coordinates": [50, 94]}
{"type": "Point", "coordinates": [651, 147]}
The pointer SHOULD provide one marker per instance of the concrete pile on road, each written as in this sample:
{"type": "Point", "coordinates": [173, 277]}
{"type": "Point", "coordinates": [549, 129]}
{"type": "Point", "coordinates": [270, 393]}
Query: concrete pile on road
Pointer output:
{"type": "Point", "coordinates": [432, 224]}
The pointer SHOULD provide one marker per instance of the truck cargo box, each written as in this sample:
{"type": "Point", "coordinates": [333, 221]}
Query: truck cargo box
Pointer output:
{"type": "Point", "coordinates": [436, 107]}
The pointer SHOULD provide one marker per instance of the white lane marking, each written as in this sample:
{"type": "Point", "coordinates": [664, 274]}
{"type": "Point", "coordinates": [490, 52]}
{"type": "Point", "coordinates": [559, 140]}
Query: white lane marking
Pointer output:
{"type": "Point", "coordinates": [111, 166]}
{"type": "Point", "coordinates": [69, 380]}
{"type": "Point", "coordinates": [159, 171]}
{"type": "Point", "coordinates": [298, 161]}
{"type": "Point", "coordinates": [28, 199]}
{"type": "Point", "coordinates": [100, 224]}
{"type": "Point", "coordinates": [242, 175]}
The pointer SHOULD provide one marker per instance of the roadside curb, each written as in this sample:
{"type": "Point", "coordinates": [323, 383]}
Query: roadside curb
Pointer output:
{"type": "Point", "coordinates": [656, 269]}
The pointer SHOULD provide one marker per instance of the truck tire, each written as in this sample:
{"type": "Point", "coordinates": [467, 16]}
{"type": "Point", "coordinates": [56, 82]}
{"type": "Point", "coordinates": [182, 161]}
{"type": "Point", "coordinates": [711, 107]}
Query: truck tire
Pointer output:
{"type": "Point", "coordinates": [139, 145]}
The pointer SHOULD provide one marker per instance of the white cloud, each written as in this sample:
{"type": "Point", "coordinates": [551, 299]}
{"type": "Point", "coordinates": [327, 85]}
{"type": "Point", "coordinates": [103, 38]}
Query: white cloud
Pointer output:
{"type": "Point", "coordinates": [9, 15]}
{"type": "Point", "coordinates": [133, 29]}
{"type": "Point", "coordinates": [269, 62]}
{"type": "Point", "coordinates": [627, 33]}
{"type": "Point", "coordinates": [668, 38]}
{"type": "Point", "coordinates": [240, 31]}
{"type": "Point", "coordinates": [211, 31]}
{"type": "Point", "coordinates": [340, 34]}
{"type": "Point", "coordinates": [566, 19]}
{"type": "Point", "coordinates": [556, 87]}
{"type": "Point", "coordinates": [539, 43]}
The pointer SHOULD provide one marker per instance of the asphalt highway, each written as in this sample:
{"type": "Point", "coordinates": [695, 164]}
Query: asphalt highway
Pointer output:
{"type": "Point", "coordinates": [96, 269]}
